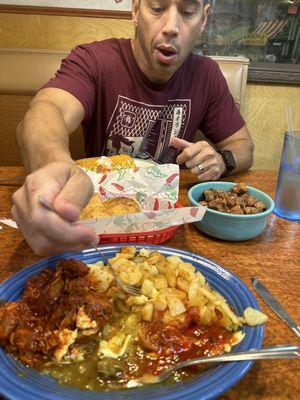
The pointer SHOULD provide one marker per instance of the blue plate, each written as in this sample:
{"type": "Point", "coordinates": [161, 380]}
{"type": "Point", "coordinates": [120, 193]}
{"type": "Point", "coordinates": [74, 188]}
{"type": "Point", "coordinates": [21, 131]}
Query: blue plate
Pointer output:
{"type": "Point", "coordinates": [18, 382]}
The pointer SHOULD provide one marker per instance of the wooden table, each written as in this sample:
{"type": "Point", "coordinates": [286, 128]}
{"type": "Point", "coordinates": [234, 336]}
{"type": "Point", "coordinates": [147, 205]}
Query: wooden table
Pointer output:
{"type": "Point", "coordinates": [273, 257]}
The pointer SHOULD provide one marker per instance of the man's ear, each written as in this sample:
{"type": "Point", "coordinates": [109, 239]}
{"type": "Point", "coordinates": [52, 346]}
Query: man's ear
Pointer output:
{"type": "Point", "coordinates": [204, 17]}
{"type": "Point", "coordinates": [135, 11]}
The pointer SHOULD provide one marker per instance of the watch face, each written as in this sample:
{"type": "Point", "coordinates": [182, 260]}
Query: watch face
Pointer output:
{"type": "Point", "coordinates": [228, 160]}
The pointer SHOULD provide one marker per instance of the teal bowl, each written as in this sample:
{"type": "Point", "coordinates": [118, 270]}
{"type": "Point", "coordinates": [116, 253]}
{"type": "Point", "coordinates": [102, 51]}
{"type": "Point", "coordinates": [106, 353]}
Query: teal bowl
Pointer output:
{"type": "Point", "coordinates": [232, 227]}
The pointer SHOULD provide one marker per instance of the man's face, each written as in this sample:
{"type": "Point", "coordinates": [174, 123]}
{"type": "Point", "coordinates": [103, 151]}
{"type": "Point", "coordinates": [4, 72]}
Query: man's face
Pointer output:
{"type": "Point", "coordinates": [166, 31]}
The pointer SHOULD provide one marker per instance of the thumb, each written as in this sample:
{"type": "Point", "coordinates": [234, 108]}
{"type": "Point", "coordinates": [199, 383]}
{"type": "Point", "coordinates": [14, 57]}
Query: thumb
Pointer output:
{"type": "Point", "coordinates": [73, 197]}
{"type": "Point", "coordinates": [179, 144]}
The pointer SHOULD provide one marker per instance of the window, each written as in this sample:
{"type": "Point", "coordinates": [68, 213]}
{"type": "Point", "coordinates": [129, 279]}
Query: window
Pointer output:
{"type": "Point", "coordinates": [265, 31]}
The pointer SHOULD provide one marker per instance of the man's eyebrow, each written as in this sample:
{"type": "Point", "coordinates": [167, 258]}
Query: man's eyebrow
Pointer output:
{"type": "Point", "coordinates": [196, 2]}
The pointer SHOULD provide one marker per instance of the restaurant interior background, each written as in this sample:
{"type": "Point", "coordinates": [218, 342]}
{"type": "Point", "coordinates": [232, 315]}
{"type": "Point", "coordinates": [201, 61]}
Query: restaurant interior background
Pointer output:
{"type": "Point", "coordinates": [236, 27]}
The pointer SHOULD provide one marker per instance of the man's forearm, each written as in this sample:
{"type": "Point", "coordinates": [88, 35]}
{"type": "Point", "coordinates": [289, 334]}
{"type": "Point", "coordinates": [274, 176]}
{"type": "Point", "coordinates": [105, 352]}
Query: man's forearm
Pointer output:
{"type": "Point", "coordinates": [241, 146]}
{"type": "Point", "coordinates": [243, 154]}
{"type": "Point", "coordinates": [43, 136]}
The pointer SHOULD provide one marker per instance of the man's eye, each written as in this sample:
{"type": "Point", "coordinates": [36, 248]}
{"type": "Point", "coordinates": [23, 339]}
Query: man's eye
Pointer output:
{"type": "Point", "coordinates": [156, 10]}
{"type": "Point", "coordinates": [188, 13]}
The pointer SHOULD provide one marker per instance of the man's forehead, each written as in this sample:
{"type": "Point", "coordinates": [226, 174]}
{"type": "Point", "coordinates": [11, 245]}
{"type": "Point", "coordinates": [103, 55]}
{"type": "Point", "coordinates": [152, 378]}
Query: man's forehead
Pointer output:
{"type": "Point", "coordinates": [196, 2]}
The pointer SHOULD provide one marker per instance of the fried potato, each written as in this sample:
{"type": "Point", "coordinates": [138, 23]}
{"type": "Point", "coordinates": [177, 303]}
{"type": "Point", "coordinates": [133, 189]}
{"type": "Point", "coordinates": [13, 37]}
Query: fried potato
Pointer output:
{"type": "Point", "coordinates": [160, 303]}
{"type": "Point", "coordinates": [175, 305]}
{"type": "Point", "coordinates": [173, 291]}
{"type": "Point", "coordinates": [160, 282]}
{"type": "Point", "coordinates": [183, 284]}
{"type": "Point", "coordinates": [147, 312]}
{"type": "Point", "coordinates": [147, 287]}
{"type": "Point", "coordinates": [254, 317]}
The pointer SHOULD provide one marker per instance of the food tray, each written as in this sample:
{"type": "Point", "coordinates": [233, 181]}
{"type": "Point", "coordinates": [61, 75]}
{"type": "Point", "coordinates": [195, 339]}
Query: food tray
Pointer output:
{"type": "Point", "coordinates": [151, 237]}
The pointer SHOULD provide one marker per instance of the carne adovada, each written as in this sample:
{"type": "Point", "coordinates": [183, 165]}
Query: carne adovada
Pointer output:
{"type": "Point", "coordinates": [75, 324]}
{"type": "Point", "coordinates": [236, 201]}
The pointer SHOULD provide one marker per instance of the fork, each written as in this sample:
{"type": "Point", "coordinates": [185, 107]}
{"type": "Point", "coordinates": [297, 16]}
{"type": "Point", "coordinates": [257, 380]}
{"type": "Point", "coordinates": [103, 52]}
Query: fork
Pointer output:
{"type": "Point", "coordinates": [131, 289]}
{"type": "Point", "coordinates": [8, 222]}
{"type": "Point", "coordinates": [267, 353]}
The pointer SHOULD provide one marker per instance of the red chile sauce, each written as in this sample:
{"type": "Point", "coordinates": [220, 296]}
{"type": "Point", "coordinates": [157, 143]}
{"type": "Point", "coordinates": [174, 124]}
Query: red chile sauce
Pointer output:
{"type": "Point", "coordinates": [169, 345]}
{"type": "Point", "coordinates": [172, 345]}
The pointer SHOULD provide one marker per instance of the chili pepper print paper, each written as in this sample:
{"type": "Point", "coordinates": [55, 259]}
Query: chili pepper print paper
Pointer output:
{"type": "Point", "coordinates": [146, 221]}
{"type": "Point", "coordinates": [155, 188]}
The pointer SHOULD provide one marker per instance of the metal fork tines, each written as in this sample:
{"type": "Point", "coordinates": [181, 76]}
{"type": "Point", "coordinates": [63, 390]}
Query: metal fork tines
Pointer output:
{"type": "Point", "coordinates": [131, 289]}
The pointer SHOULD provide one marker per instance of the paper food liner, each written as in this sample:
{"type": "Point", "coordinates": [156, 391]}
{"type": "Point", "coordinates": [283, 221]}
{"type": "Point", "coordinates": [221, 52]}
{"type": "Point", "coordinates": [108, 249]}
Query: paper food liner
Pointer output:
{"type": "Point", "coordinates": [154, 187]}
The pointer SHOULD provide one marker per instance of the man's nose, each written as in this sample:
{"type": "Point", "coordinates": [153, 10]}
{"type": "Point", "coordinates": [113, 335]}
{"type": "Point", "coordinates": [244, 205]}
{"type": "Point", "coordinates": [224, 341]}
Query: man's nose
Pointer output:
{"type": "Point", "coordinates": [171, 22]}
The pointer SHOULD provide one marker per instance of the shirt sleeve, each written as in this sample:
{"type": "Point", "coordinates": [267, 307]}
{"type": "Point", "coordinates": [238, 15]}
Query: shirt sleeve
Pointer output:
{"type": "Point", "coordinates": [222, 118]}
{"type": "Point", "coordinates": [78, 76]}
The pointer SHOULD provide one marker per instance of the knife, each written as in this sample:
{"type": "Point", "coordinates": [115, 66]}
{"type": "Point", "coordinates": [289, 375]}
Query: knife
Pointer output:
{"type": "Point", "coordinates": [270, 300]}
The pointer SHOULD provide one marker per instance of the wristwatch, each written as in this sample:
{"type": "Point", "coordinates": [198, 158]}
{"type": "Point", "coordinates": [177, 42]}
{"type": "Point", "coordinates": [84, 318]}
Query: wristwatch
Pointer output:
{"type": "Point", "coordinates": [228, 159]}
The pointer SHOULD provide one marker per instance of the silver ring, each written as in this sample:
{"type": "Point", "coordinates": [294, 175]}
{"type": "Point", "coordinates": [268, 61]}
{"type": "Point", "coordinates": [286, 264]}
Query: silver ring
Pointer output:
{"type": "Point", "coordinates": [201, 168]}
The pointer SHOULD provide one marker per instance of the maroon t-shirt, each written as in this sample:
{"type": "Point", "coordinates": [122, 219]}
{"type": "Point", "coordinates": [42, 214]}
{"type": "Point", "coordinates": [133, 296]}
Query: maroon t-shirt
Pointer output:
{"type": "Point", "coordinates": [125, 113]}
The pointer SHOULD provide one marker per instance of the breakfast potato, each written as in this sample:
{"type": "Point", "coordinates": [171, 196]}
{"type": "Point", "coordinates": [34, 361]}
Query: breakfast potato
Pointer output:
{"type": "Point", "coordinates": [175, 306]}
{"type": "Point", "coordinates": [254, 317]}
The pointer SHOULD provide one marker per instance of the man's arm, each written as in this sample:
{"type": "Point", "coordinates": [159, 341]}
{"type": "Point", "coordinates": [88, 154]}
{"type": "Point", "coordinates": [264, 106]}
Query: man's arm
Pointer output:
{"type": "Point", "coordinates": [241, 146]}
{"type": "Point", "coordinates": [43, 134]}
{"type": "Point", "coordinates": [211, 162]}
{"type": "Point", "coordinates": [43, 137]}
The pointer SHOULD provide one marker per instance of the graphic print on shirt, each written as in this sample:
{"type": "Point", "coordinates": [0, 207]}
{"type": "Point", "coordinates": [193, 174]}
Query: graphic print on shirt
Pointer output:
{"type": "Point", "coordinates": [144, 130]}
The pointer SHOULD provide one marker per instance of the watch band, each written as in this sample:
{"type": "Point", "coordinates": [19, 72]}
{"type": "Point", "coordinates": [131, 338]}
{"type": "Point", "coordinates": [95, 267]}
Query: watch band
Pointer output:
{"type": "Point", "coordinates": [228, 159]}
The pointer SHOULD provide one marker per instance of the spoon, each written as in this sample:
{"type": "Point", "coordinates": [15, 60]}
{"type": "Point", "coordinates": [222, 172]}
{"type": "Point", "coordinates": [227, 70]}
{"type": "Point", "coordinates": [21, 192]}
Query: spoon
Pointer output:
{"type": "Point", "coordinates": [267, 353]}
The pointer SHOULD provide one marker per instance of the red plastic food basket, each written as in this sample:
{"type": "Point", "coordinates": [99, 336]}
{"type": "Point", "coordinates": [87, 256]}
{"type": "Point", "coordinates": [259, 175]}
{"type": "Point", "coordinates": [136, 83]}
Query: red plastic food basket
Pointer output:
{"type": "Point", "coordinates": [152, 237]}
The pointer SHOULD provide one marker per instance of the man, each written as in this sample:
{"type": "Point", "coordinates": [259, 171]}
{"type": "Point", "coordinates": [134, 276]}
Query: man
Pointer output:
{"type": "Point", "coordinates": [147, 97]}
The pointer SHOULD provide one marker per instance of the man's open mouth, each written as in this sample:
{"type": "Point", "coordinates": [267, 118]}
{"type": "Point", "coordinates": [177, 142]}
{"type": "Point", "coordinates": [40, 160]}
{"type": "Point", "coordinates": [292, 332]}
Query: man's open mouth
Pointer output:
{"type": "Point", "coordinates": [166, 55]}
{"type": "Point", "coordinates": [167, 52]}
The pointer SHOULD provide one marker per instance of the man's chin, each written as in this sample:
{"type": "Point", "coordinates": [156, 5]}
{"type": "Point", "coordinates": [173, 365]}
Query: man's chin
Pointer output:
{"type": "Point", "coordinates": [166, 68]}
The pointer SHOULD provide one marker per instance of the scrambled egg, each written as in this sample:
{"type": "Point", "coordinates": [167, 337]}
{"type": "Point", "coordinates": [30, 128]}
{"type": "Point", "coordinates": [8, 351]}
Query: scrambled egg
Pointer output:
{"type": "Point", "coordinates": [83, 321]}
{"type": "Point", "coordinates": [66, 338]}
{"type": "Point", "coordinates": [115, 347]}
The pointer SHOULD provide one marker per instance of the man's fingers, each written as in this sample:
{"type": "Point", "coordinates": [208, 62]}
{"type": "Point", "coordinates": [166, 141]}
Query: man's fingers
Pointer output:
{"type": "Point", "coordinates": [73, 197]}
{"type": "Point", "coordinates": [179, 144]}
{"type": "Point", "coordinates": [56, 235]}
{"type": "Point", "coordinates": [67, 189]}
{"type": "Point", "coordinates": [72, 233]}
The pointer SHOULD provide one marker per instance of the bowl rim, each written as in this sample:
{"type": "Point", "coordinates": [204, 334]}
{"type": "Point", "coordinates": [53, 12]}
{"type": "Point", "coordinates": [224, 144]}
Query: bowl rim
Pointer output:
{"type": "Point", "coordinates": [234, 216]}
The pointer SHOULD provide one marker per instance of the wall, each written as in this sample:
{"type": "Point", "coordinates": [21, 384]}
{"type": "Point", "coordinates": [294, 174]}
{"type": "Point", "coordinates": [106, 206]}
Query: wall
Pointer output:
{"type": "Point", "coordinates": [265, 117]}
{"type": "Point", "coordinates": [264, 110]}
{"type": "Point", "coordinates": [58, 32]}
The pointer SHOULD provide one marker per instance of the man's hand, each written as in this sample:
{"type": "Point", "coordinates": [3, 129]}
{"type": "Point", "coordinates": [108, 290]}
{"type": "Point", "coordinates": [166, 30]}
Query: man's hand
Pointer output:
{"type": "Point", "coordinates": [200, 158]}
{"type": "Point", "coordinates": [68, 189]}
